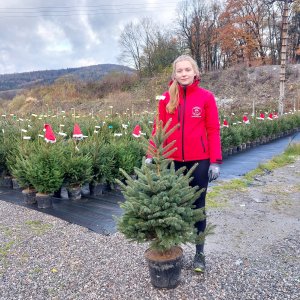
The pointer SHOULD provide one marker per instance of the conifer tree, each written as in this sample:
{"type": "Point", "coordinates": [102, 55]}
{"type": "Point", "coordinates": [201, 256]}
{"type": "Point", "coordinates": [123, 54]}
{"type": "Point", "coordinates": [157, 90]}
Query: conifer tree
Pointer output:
{"type": "Point", "coordinates": [158, 205]}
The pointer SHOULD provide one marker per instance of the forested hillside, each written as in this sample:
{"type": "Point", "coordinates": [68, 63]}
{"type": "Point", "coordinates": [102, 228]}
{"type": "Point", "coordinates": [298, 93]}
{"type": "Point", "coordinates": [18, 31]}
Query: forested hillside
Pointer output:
{"type": "Point", "coordinates": [237, 89]}
{"type": "Point", "coordinates": [31, 79]}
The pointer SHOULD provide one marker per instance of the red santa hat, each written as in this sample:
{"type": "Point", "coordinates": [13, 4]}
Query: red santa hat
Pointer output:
{"type": "Point", "coordinates": [225, 123]}
{"type": "Point", "coordinates": [270, 117]}
{"type": "Point", "coordinates": [137, 131]}
{"type": "Point", "coordinates": [261, 116]}
{"type": "Point", "coordinates": [49, 134]}
{"type": "Point", "coordinates": [275, 116]}
{"type": "Point", "coordinates": [77, 132]}
{"type": "Point", "coordinates": [246, 120]}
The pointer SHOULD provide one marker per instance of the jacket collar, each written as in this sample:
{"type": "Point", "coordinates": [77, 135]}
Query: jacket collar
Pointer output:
{"type": "Point", "coordinates": [190, 87]}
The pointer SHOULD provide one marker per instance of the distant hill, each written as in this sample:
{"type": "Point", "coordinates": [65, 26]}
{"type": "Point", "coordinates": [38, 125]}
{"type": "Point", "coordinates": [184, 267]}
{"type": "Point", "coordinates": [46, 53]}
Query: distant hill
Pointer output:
{"type": "Point", "coordinates": [17, 81]}
{"type": "Point", "coordinates": [237, 89]}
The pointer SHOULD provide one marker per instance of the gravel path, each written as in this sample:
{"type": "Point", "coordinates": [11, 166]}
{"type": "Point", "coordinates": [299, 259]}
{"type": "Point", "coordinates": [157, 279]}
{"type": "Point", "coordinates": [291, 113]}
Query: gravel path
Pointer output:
{"type": "Point", "coordinates": [253, 255]}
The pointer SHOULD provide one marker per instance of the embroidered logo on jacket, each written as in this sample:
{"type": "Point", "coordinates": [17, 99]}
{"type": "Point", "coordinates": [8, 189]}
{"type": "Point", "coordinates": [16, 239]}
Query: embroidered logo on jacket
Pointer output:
{"type": "Point", "coordinates": [196, 112]}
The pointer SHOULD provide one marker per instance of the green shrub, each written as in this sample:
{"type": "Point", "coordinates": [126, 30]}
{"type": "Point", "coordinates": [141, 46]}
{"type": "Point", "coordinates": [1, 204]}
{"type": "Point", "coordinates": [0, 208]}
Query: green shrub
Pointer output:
{"type": "Point", "coordinates": [45, 170]}
{"type": "Point", "coordinates": [77, 166]}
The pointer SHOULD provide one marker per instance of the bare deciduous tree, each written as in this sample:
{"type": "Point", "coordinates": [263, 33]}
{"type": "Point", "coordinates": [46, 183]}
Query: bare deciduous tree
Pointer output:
{"type": "Point", "coordinates": [131, 44]}
{"type": "Point", "coordinates": [198, 30]}
{"type": "Point", "coordinates": [191, 16]}
{"type": "Point", "coordinates": [147, 47]}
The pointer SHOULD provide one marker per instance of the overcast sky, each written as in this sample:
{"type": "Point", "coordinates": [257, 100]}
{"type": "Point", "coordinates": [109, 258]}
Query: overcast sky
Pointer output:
{"type": "Point", "coordinates": [55, 34]}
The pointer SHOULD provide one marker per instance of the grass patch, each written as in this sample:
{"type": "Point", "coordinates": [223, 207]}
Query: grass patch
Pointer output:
{"type": "Point", "coordinates": [235, 184]}
{"type": "Point", "coordinates": [211, 201]}
{"type": "Point", "coordinates": [6, 230]}
{"type": "Point", "coordinates": [277, 162]}
{"type": "Point", "coordinates": [38, 227]}
{"type": "Point", "coordinates": [4, 249]}
{"type": "Point", "coordinates": [293, 149]}
{"type": "Point", "coordinates": [289, 156]}
{"type": "Point", "coordinates": [250, 175]}
{"type": "Point", "coordinates": [239, 185]}
{"type": "Point", "coordinates": [217, 192]}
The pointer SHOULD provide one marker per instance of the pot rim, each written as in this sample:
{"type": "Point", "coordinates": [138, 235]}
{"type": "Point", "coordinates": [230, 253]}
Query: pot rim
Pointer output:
{"type": "Point", "coordinates": [154, 255]}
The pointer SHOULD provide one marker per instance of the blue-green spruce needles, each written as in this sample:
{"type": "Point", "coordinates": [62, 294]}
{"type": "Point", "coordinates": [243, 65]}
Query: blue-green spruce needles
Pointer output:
{"type": "Point", "coordinates": [158, 206]}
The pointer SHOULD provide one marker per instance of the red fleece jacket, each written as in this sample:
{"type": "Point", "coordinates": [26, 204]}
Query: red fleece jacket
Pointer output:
{"type": "Point", "coordinates": [198, 136]}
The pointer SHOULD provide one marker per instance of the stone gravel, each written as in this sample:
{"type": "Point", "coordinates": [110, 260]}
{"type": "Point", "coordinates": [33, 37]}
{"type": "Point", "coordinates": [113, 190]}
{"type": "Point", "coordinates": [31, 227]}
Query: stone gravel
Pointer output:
{"type": "Point", "coordinates": [254, 253]}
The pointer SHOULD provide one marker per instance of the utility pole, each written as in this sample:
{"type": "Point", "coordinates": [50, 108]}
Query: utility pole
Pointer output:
{"type": "Point", "coordinates": [284, 42]}
{"type": "Point", "coordinates": [283, 58]}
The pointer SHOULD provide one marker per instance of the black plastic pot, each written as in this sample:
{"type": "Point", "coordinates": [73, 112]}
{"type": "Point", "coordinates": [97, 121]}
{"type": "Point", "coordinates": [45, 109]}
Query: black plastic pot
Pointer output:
{"type": "Point", "coordinates": [15, 184]}
{"type": "Point", "coordinates": [165, 273]}
{"type": "Point", "coordinates": [57, 194]}
{"type": "Point", "coordinates": [29, 196]}
{"type": "Point", "coordinates": [74, 193]}
{"type": "Point", "coordinates": [6, 181]}
{"type": "Point", "coordinates": [97, 189]}
{"type": "Point", "coordinates": [43, 200]}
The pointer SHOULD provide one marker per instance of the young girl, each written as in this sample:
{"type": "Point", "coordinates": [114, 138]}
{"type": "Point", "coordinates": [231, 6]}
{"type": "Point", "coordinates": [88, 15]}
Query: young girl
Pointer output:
{"type": "Point", "coordinates": [198, 137]}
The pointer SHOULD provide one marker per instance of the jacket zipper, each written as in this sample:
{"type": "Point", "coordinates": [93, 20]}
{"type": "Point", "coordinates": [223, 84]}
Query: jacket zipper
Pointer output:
{"type": "Point", "coordinates": [182, 132]}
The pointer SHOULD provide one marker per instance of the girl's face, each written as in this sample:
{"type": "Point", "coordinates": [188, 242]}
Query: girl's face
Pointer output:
{"type": "Point", "coordinates": [184, 72]}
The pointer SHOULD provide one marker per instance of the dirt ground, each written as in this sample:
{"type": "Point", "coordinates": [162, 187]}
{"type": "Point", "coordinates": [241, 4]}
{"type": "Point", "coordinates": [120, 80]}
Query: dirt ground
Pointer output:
{"type": "Point", "coordinates": [263, 214]}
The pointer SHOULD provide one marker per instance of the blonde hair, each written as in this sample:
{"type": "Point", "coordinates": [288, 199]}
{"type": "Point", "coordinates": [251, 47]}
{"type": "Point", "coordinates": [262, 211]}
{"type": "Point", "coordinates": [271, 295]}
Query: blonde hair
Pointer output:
{"type": "Point", "coordinates": [173, 89]}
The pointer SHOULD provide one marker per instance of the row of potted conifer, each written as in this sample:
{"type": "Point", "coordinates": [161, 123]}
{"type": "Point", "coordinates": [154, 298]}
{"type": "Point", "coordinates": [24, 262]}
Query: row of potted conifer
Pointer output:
{"type": "Point", "coordinates": [101, 151]}
{"type": "Point", "coordinates": [45, 168]}
{"type": "Point", "coordinates": [236, 138]}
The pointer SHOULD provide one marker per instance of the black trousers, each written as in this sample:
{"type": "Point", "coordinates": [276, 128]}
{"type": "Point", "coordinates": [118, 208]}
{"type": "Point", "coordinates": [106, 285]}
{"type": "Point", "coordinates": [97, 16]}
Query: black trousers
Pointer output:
{"type": "Point", "coordinates": [200, 179]}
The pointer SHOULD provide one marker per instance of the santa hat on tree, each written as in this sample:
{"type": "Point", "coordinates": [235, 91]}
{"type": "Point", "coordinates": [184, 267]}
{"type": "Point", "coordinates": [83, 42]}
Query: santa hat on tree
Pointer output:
{"type": "Point", "coordinates": [261, 116]}
{"type": "Point", "coordinates": [225, 123]}
{"type": "Point", "coordinates": [77, 134]}
{"type": "Point", "coordinates": [246, 120]}
{"type": "Point", "coordinates": [137, 131]}
{"type": "Point", "coordinates": [49, 134]}
{"type": "Point", "coordinates": [270, 117]}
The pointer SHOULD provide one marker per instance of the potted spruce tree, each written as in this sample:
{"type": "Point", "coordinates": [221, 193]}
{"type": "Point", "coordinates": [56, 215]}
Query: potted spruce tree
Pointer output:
{"type": "Point", "coordinates": [103, 170]}
{"type": "Point", "coordinates": [103, 163]}
{"type": "Point", "coordinates": [19, 170]}
{"type": "Point", "coordinates": [158, 209]}
{"type": "Point", "coordinates": [45, 172]}
{"type": "Point", "coordinates": [77, 171]}
{"type": "Point", "coordinates": [8, 142]}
